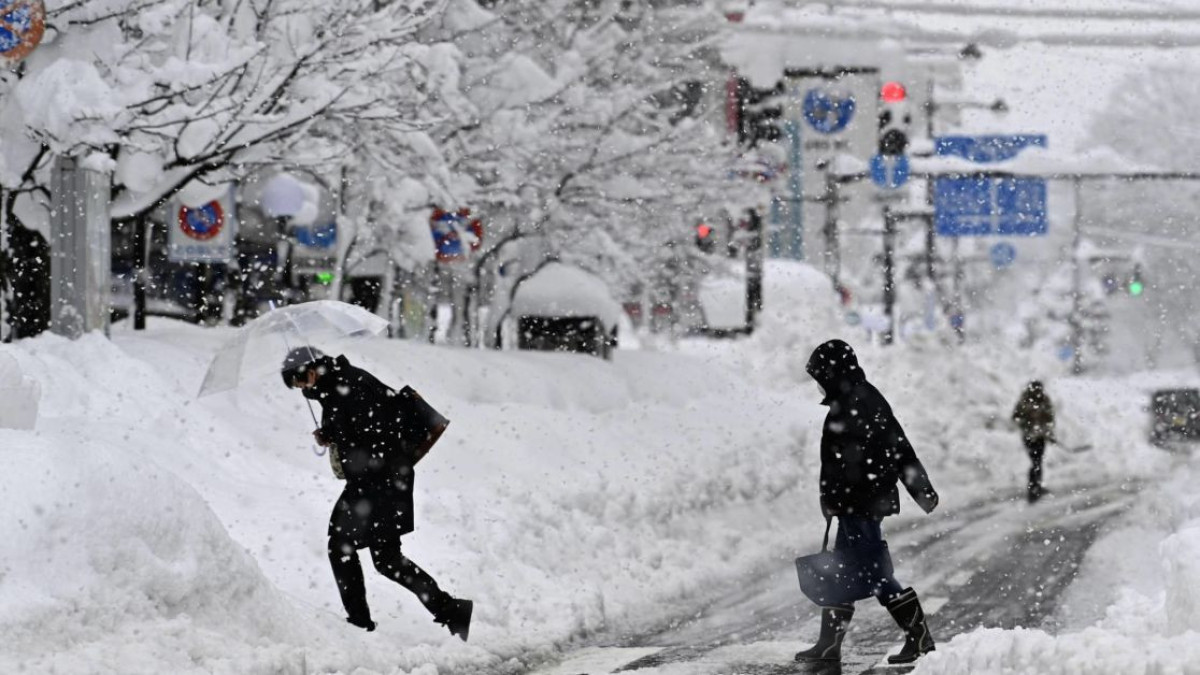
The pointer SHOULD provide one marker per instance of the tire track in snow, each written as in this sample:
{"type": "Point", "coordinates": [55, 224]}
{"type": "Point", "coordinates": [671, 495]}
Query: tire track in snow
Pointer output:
{"type": "Point", "coordinates": [995, 562]}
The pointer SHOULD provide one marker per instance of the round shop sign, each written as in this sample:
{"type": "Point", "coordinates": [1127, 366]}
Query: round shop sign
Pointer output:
{"type": "Point", "coordinates": [828, 110]}
{"type": "Point", "coordinates": [202, 223]}
{"type": "Point", "coordinates": [22, 24]}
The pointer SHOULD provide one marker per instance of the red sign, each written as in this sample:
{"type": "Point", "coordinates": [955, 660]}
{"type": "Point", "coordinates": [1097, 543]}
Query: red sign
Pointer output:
{"type": "Point", "coordinates": [202, 223]}
{"type": "Point", "coordinates": [22, 24]}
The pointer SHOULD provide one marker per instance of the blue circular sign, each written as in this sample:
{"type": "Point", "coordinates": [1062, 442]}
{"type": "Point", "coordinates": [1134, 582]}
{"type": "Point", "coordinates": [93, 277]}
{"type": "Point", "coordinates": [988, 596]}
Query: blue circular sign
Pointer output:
{"type": "Point", "coordinates": [827, 110]}
{"type": "Point", "coordinates": [1003, 255]}
{"type": "Point", "coordinates": [319, 236]}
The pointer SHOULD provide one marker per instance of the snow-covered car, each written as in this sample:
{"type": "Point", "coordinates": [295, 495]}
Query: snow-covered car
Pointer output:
{"type": "Point", "coordinates": [1174, 415]}
{"type": "Point", "coordinates": [564, 308]}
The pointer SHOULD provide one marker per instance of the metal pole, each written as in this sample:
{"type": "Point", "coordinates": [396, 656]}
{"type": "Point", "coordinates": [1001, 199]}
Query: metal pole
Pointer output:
{"type": "Point", "coordinates": [754, 269]}
{"type": "Point", "coordinates": [889, 274]}
{"type": "Point", "coordinates": [833, 254]}
{"type": "Point", "coordinates": [794, 244]}
{"type": "Point", "coordinates": [6, 326]}
{"type": "Point", "coordinates": [1076, 320]}
{"type": "Point", "coordinates": [141, 248]}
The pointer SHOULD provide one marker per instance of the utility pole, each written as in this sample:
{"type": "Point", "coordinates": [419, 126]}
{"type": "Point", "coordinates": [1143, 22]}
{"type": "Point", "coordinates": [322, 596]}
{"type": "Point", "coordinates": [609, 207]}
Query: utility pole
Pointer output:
{"type": "Point", "coordinates": [1076, 320]}
{"type": "Point", "coordinates": [833, 253]}
{"type": "Point", "coordinates": [889, 274]}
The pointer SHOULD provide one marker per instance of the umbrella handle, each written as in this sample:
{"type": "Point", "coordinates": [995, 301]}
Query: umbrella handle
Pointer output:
{"type": "Point", "coordinates": [318, 450]}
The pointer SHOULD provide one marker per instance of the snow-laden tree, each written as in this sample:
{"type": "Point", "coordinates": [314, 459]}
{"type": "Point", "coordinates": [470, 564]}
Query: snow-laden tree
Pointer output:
{"type": "Point", "coordinates": [590, 127]}
{"type": "Point", "coordinates": [164, 92]}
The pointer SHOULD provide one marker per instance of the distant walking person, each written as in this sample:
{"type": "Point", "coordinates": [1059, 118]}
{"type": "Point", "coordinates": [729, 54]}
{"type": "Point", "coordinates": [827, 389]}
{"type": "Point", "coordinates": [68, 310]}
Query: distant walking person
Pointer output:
{"type": "Point", "coordinates": [864, 453]}
{"type": "Point", "coordinates": [374, 441]}
{"type": "Point", "coordinates": [1034, 415]}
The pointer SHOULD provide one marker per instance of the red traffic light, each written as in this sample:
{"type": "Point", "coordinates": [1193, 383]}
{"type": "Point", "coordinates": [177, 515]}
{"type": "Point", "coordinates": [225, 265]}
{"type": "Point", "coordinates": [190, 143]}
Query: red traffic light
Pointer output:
{"type": "Point", "coordinates": [703, 231]}
{"type": "Point", "coordinates": [892, 92]}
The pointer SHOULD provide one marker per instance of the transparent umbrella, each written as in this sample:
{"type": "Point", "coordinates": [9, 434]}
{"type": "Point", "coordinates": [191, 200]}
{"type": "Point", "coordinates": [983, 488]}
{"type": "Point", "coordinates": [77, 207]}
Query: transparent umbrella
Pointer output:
{"type": "Point", "coordinates": [259, 346]}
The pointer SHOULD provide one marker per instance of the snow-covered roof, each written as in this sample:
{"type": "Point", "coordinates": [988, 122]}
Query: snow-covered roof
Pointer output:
{"type": "Point", "coordinates": [563, 290]}
{"type": "Point", "coordinates": [771, 39]}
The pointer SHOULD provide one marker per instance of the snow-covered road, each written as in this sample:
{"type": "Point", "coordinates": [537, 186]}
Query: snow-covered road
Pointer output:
{"type": "Point", "coordinates": [995, 562]}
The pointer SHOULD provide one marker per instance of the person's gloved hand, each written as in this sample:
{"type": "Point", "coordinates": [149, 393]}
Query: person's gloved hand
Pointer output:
{"type": "Point", "coordinates": [321, 438]}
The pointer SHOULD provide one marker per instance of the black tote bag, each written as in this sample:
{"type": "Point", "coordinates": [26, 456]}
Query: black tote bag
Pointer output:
{"type": "Point", "coordinates": [423, 425]}
{"type": "Point", "coordinates": [843, 576]}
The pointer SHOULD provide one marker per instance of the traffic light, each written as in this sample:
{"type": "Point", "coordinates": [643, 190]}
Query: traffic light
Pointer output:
{"type": "Point", "coordinates": [760, 114]}
{"type": "Point", "coordinates": [705, 240]}
{"type": "Point", "coordinates": [894, 119]}
{"type": "Point", "coordinates": [1136, 285]}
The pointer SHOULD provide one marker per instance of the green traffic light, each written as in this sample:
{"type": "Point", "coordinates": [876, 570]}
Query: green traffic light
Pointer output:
{"type": "Point", "coordinates": [325, 278]}
{"type": "Point", "coordinates": [1136, 288]}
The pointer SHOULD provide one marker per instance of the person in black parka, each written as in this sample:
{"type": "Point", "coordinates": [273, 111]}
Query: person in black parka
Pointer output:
{"type": "Point", "coordinates": [1034, 415]}
{"type": "Point", "coordinates": [864, 452]}
{"type": "Point", "coordinates": [371, 446]}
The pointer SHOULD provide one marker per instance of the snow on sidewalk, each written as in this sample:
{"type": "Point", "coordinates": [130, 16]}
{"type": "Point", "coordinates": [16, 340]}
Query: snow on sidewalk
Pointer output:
{"type": "Point", "coordinates": [149, 531]}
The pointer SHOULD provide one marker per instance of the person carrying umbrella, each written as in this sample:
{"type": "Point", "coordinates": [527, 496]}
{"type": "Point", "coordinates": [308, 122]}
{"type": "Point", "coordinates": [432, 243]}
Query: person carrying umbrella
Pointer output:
{"type": "Point", "coordinates": [374, 445]}
{"type": "Point", "coordinates": [864, 452]}
{"type": "Point", "coordinates": [1034, 415]}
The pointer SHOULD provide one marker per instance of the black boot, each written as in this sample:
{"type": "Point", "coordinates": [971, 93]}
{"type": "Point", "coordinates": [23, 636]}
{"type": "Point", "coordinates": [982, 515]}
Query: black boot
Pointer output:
{"type": "Point", "coordinates": [906, 610]}
{"type": "Point", "coordinates": [834, 621]}
{"type": "Point", "coordinates": [365, 624]}
{"type": "Point", "coordinates": [456, 615]}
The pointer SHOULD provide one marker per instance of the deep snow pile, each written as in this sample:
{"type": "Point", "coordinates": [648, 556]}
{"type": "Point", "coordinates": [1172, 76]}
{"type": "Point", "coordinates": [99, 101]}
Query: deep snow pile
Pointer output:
{"type": "Point", "coordinates": [1135, 602]}
{"type": "Point", "coordinates": [157, 532]}
{"type": "Point", "coordinates": [1134, 608]}
{"type": "Point", "coordinates": [154, 532]}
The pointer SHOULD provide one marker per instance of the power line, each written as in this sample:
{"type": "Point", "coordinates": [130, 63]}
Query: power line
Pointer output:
{"type": "Point", "coordinates": [1000, 39]}
{"type": "Point", "coordinates": [1164, 14]}
{"type": "Point", "coordinates": [1147, 239]}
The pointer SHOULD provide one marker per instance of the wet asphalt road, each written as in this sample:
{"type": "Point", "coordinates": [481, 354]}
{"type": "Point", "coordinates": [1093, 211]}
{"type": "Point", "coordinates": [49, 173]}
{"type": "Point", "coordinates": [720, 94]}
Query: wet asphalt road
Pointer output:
{"type": "Point", "coordinates": [997, 562]}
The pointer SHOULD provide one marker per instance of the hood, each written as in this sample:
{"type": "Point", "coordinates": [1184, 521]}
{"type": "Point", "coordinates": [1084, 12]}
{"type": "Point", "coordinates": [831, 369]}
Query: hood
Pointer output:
{"type": "Point", "coordinates": [835, 367]}
{"type": "Point", "coordinates": [326, 380]}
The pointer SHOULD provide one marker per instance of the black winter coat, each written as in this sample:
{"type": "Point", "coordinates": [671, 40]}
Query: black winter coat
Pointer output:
{"type": "Point", "coordinates": [363, 418]}
{"type": "Point", "coordinates": [864, 451]}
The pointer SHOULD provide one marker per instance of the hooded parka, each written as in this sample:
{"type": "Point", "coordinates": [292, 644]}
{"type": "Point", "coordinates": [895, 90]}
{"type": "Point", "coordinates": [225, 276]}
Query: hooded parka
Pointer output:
{"type": "Point", "coordinates": [864, 451]}
{"type": "Point", "coordinates": [364, 419]}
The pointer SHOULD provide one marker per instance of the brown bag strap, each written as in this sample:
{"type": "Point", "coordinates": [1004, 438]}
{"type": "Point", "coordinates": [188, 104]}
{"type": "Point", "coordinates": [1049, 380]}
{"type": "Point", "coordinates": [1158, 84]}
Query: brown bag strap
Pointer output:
{"type": "Point", "coordinates": [825, 544]}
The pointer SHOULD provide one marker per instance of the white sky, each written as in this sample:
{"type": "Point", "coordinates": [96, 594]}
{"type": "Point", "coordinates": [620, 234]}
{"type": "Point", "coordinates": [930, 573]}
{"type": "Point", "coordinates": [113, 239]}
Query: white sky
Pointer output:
{"type": "Point", "coordinates": [1057, 89]}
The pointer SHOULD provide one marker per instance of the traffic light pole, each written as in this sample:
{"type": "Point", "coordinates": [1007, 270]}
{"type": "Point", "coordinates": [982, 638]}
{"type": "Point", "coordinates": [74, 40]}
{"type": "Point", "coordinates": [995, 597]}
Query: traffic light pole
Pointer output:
{"type": "Point", "coordinates": [754, 269]}
{"type": "Point", "coordinates": [889, 274]}
{"type": "Point", "coordinates": [1076, 320]}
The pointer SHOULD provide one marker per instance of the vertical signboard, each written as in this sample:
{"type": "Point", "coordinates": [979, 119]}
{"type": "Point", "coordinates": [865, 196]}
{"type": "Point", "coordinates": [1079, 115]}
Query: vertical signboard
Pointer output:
{"type": "Point", "coordinates": [834, 112]}
{"type": "Point", "coordinates": [80, 261]}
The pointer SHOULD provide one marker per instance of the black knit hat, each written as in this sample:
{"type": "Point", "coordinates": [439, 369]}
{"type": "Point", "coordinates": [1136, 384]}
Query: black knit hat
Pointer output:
{"type": "Point", "coordinates": [298, 361]}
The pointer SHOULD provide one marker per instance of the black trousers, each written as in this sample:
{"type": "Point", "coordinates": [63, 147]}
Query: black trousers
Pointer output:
{"type": "Point", "coordinates": [1036, 448]}
{"type": "Point", "coordinates": [856, 530]}
{"type": "Point", "coordinates": [391, 563]}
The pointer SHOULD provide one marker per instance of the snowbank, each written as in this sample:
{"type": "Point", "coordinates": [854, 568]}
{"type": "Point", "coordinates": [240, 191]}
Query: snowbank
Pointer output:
{"type": "Point", "coordinates": [160, 533]}
{"type": "Point", "coordinates": [1134, 607]}
{"type": "Point", "coordinates": [153, 532]}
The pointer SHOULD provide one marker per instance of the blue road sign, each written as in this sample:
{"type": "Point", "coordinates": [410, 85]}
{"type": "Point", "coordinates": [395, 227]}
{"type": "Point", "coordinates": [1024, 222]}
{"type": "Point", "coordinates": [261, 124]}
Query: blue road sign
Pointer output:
{"type": "Point", "coordinates": [828, 110]}
{"type": "Point", "coordinates": [967, 205]}
{"type": "Point", "coordinates": [889, 171]}
{"type": "Point", "coordinates": [1003, 255]}
{"type": "Point", "coordinates": [987, 149]}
